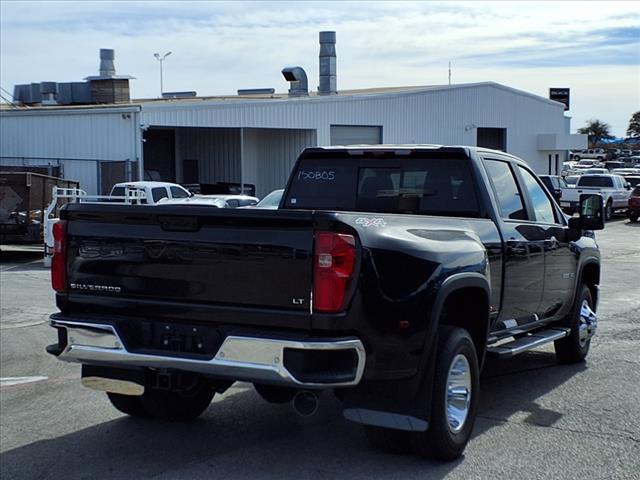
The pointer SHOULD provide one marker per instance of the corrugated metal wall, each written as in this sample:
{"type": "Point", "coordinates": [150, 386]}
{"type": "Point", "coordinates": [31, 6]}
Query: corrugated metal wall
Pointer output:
{"type": "Point", "coordinates": [269, 155]}
{"type": "Point", "coordinates": [75, 139]}
{"type": "Point", "coordinates": [441, 116]}
{"type": "Point", "coordinates": [216, 149]}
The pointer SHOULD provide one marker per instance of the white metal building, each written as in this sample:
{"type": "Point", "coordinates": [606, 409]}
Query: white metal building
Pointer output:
{"type": "Point", "coordinates": [256, 139]}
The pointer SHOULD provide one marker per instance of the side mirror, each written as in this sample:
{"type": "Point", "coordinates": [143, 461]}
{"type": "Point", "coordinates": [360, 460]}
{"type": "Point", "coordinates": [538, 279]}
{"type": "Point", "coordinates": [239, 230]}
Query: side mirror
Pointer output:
{"type": "Point", "coordinates": [628, 186]}
{"type": "Point", "coordinates": [591, 213]}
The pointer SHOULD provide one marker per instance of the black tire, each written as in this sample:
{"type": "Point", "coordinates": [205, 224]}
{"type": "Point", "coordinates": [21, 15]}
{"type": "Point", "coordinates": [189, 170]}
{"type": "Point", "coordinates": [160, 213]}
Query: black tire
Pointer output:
{"type": "Point", "coordinates": [439, 441]}
{"type": "Point", "coordinates": [608, 210]}
{"type": "Point", "coordinates": [273, 394]}
{"type": "Point", "coordinates": [184, 405]}
{"type": "Point", "coordinates": [131, 405]}
{"type": "Point", "coordinates": [570, 349]}
{"type": "Point", "coordinates": [633, 217]}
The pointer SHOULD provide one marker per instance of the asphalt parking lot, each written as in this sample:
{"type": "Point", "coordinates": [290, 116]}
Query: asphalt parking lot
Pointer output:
{"type": "Point", "coordinates": [537, 418]}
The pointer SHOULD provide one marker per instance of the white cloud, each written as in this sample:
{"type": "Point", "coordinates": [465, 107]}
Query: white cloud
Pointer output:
{"type": "Point", "coordinates": [218, 47]}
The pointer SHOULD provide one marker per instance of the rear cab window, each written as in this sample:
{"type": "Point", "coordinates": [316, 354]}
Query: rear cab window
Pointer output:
{"type": "Point", "coordinates": [595, 181]}
{"type": "Point", "coordinates": [410, 184]}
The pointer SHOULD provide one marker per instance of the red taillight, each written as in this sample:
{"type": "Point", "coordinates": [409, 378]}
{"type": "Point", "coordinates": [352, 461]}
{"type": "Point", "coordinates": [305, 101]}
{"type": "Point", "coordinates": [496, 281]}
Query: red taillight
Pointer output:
{"type": "Point", "coordinates": [334, 261]}
{"type": "Point", "coordinates": [59, 260]}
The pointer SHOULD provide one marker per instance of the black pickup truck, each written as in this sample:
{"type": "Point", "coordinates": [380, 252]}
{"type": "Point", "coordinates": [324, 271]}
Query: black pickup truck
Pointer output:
{"type": "Point", "coordinates": [387, 275]}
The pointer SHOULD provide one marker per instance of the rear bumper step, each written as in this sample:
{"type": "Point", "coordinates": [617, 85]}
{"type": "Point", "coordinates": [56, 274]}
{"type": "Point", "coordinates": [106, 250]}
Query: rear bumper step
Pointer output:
{"type": "Point", "coordinates": [296, 363]}
{"type": "Point", "coordinates": [527, 342]}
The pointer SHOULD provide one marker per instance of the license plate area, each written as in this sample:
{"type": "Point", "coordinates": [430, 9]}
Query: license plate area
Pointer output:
{"type": "Point", "coordinates": [171, 339]}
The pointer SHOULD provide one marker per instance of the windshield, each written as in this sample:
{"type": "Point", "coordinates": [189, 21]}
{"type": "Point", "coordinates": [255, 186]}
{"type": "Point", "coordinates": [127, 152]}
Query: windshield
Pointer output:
{"type": "Point", "coordinates": [430, 186]}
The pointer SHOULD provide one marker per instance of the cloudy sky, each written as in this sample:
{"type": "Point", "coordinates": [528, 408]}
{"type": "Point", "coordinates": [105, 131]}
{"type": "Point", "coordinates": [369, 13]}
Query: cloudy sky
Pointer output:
{"type": "Point", "coordinates": [219, 47]}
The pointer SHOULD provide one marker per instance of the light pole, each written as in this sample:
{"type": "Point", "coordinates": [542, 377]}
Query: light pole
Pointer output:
{"type": "Point", "coordinates": [161, 58]}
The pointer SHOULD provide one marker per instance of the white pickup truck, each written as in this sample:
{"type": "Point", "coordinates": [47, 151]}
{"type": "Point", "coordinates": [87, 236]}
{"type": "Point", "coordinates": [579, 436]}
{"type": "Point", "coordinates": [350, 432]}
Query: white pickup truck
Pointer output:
{"type": "Point", "coordinates": [593, 153]}
{"type": "Point", "coordinates": [614, 189]}
{"type": "Point", "coordinates": [153, 191]}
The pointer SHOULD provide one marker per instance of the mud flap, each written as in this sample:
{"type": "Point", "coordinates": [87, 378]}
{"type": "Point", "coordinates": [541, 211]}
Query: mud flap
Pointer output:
{"type": "Point", "coordinates": [397, 404]}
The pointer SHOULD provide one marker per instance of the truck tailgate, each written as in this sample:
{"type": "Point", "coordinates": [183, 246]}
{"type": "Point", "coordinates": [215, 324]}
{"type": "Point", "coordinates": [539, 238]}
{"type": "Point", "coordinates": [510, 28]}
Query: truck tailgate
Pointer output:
{"type": "Point", "coordinates": [197, 256]}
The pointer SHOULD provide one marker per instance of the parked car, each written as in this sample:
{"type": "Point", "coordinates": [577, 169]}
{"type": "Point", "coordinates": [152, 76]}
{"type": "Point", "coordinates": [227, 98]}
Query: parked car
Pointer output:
{"type": "Point", "coordinates": [595, 170]}
{"type": "Point", "coordinates": [387, 276]}
{"type": "Point", "coordinates": [554, 184]}
{"type": "Point", "coordinates": [154, 191]}
{"type": "Point", "coordinates": [614, 189]}
{"type": "Point", "coordinates": [215, 201]}
{"type": "Point", "coordinates": [625, 171]}
{"type": "Point", "coordinates": [633, 180]}
{"type": "Point", "coordinates": [271, 201]}
{"type": "Point", "coordinates": [594, 153]}
{"type": "Point", "coordinates": [632, 161]}
{"type": "Point", "coordinates": [571, 180]}
{"type": "Point", "coordinates": [610, 165]}
{"type": "Point", "coordinates": [634, 204]}
{"type": "Point", "coordinates": [589, 163]}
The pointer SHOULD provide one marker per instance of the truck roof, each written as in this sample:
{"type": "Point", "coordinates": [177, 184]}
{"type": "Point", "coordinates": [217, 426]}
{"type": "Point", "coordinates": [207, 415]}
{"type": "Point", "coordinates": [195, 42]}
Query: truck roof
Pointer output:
{"type": "Point", "coordinates": [143, 184]}
{"type": "Point", "coordinates": [412, 147]}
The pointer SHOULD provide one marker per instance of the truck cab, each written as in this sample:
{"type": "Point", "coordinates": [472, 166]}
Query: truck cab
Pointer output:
{"type": "Point", "coordinates": [154, 191]}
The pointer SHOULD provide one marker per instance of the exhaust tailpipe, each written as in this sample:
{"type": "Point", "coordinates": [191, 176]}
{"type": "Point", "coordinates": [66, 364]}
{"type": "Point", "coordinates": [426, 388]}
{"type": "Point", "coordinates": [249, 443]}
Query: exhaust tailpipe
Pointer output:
{"type": "Point", "coordinates": [305, 403]}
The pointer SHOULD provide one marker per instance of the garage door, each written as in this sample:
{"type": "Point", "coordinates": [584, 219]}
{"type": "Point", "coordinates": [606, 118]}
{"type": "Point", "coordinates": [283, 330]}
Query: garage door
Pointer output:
{"type": "Point", "coordinates": [355, 135]}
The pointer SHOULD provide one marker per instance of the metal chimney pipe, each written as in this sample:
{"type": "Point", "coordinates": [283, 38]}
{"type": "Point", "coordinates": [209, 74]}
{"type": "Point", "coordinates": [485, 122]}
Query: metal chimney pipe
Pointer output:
{"type": "Point", "coordinates": [328, 74]}
{"type": "Point", "coordinates": [107, 68]}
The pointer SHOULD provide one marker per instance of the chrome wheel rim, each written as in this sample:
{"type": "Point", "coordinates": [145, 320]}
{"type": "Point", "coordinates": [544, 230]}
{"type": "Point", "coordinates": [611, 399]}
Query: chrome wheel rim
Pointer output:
{"type": "Point", "coordinates": [458, 393]}
{"type": "Point", "coordinates": [588, 323]}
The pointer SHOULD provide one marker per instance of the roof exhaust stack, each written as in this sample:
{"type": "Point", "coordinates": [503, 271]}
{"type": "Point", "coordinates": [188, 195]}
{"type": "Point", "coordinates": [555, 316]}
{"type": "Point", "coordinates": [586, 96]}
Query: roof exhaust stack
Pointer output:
{"type": "Point", "coordinates": [108, 87]}
{"type": "Point", "coordinates": [328, 73]}
{"type": "Point", "coordinates": [297, 77]}
{"type": "Point", "coordinates": [107, 68]}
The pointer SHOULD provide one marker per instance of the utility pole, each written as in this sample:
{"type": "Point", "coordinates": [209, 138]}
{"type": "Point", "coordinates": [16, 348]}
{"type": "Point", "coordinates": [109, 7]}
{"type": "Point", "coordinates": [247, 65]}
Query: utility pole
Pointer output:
{"type": "Point", "coordinates": [449, 73]}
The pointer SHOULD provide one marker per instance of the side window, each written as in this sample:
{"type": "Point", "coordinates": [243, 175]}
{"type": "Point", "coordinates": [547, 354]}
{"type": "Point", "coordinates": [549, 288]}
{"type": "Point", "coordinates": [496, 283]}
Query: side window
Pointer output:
{"type": "Point", "coordinates": [177, 192]}
{"type": "Point", "coordinates": [541, 203]}
{"type": "Point", "coordinates": [158, 193]}
{"type": "Point", "coordinates": [506, 189]}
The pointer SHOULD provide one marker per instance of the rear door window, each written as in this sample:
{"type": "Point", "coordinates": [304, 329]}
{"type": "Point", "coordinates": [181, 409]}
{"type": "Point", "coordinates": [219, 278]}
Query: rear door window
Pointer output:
{"type": "Point", "coordinates": [177, 192]}
{"type": "Point", "coordinates": [158, 193]}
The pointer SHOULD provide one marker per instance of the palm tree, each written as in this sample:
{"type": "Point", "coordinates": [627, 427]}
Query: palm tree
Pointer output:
{"type": "Point", "coordinates": [634, 126]}
{"type": "Point", "coordinates": [597, 131]}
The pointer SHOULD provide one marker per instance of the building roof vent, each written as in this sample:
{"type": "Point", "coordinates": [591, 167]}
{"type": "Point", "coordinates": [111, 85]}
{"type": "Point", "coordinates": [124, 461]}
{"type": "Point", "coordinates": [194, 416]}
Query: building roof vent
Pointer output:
{"type": "Point", "coordinates": [107, 68]}
{"type": "Point", "coordinates": [257, 91]}
{"type": "Point", "coordinates": [328, 69]}
{"type": "Point", "coordinates": [297, 77]}
{"type": "Point", "coordinates": [49, 92]}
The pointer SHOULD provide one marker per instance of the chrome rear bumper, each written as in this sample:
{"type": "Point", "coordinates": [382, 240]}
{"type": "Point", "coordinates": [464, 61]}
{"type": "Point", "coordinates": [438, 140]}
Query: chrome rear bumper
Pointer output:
{"type": "Point", "coordinates": [240, 358]}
